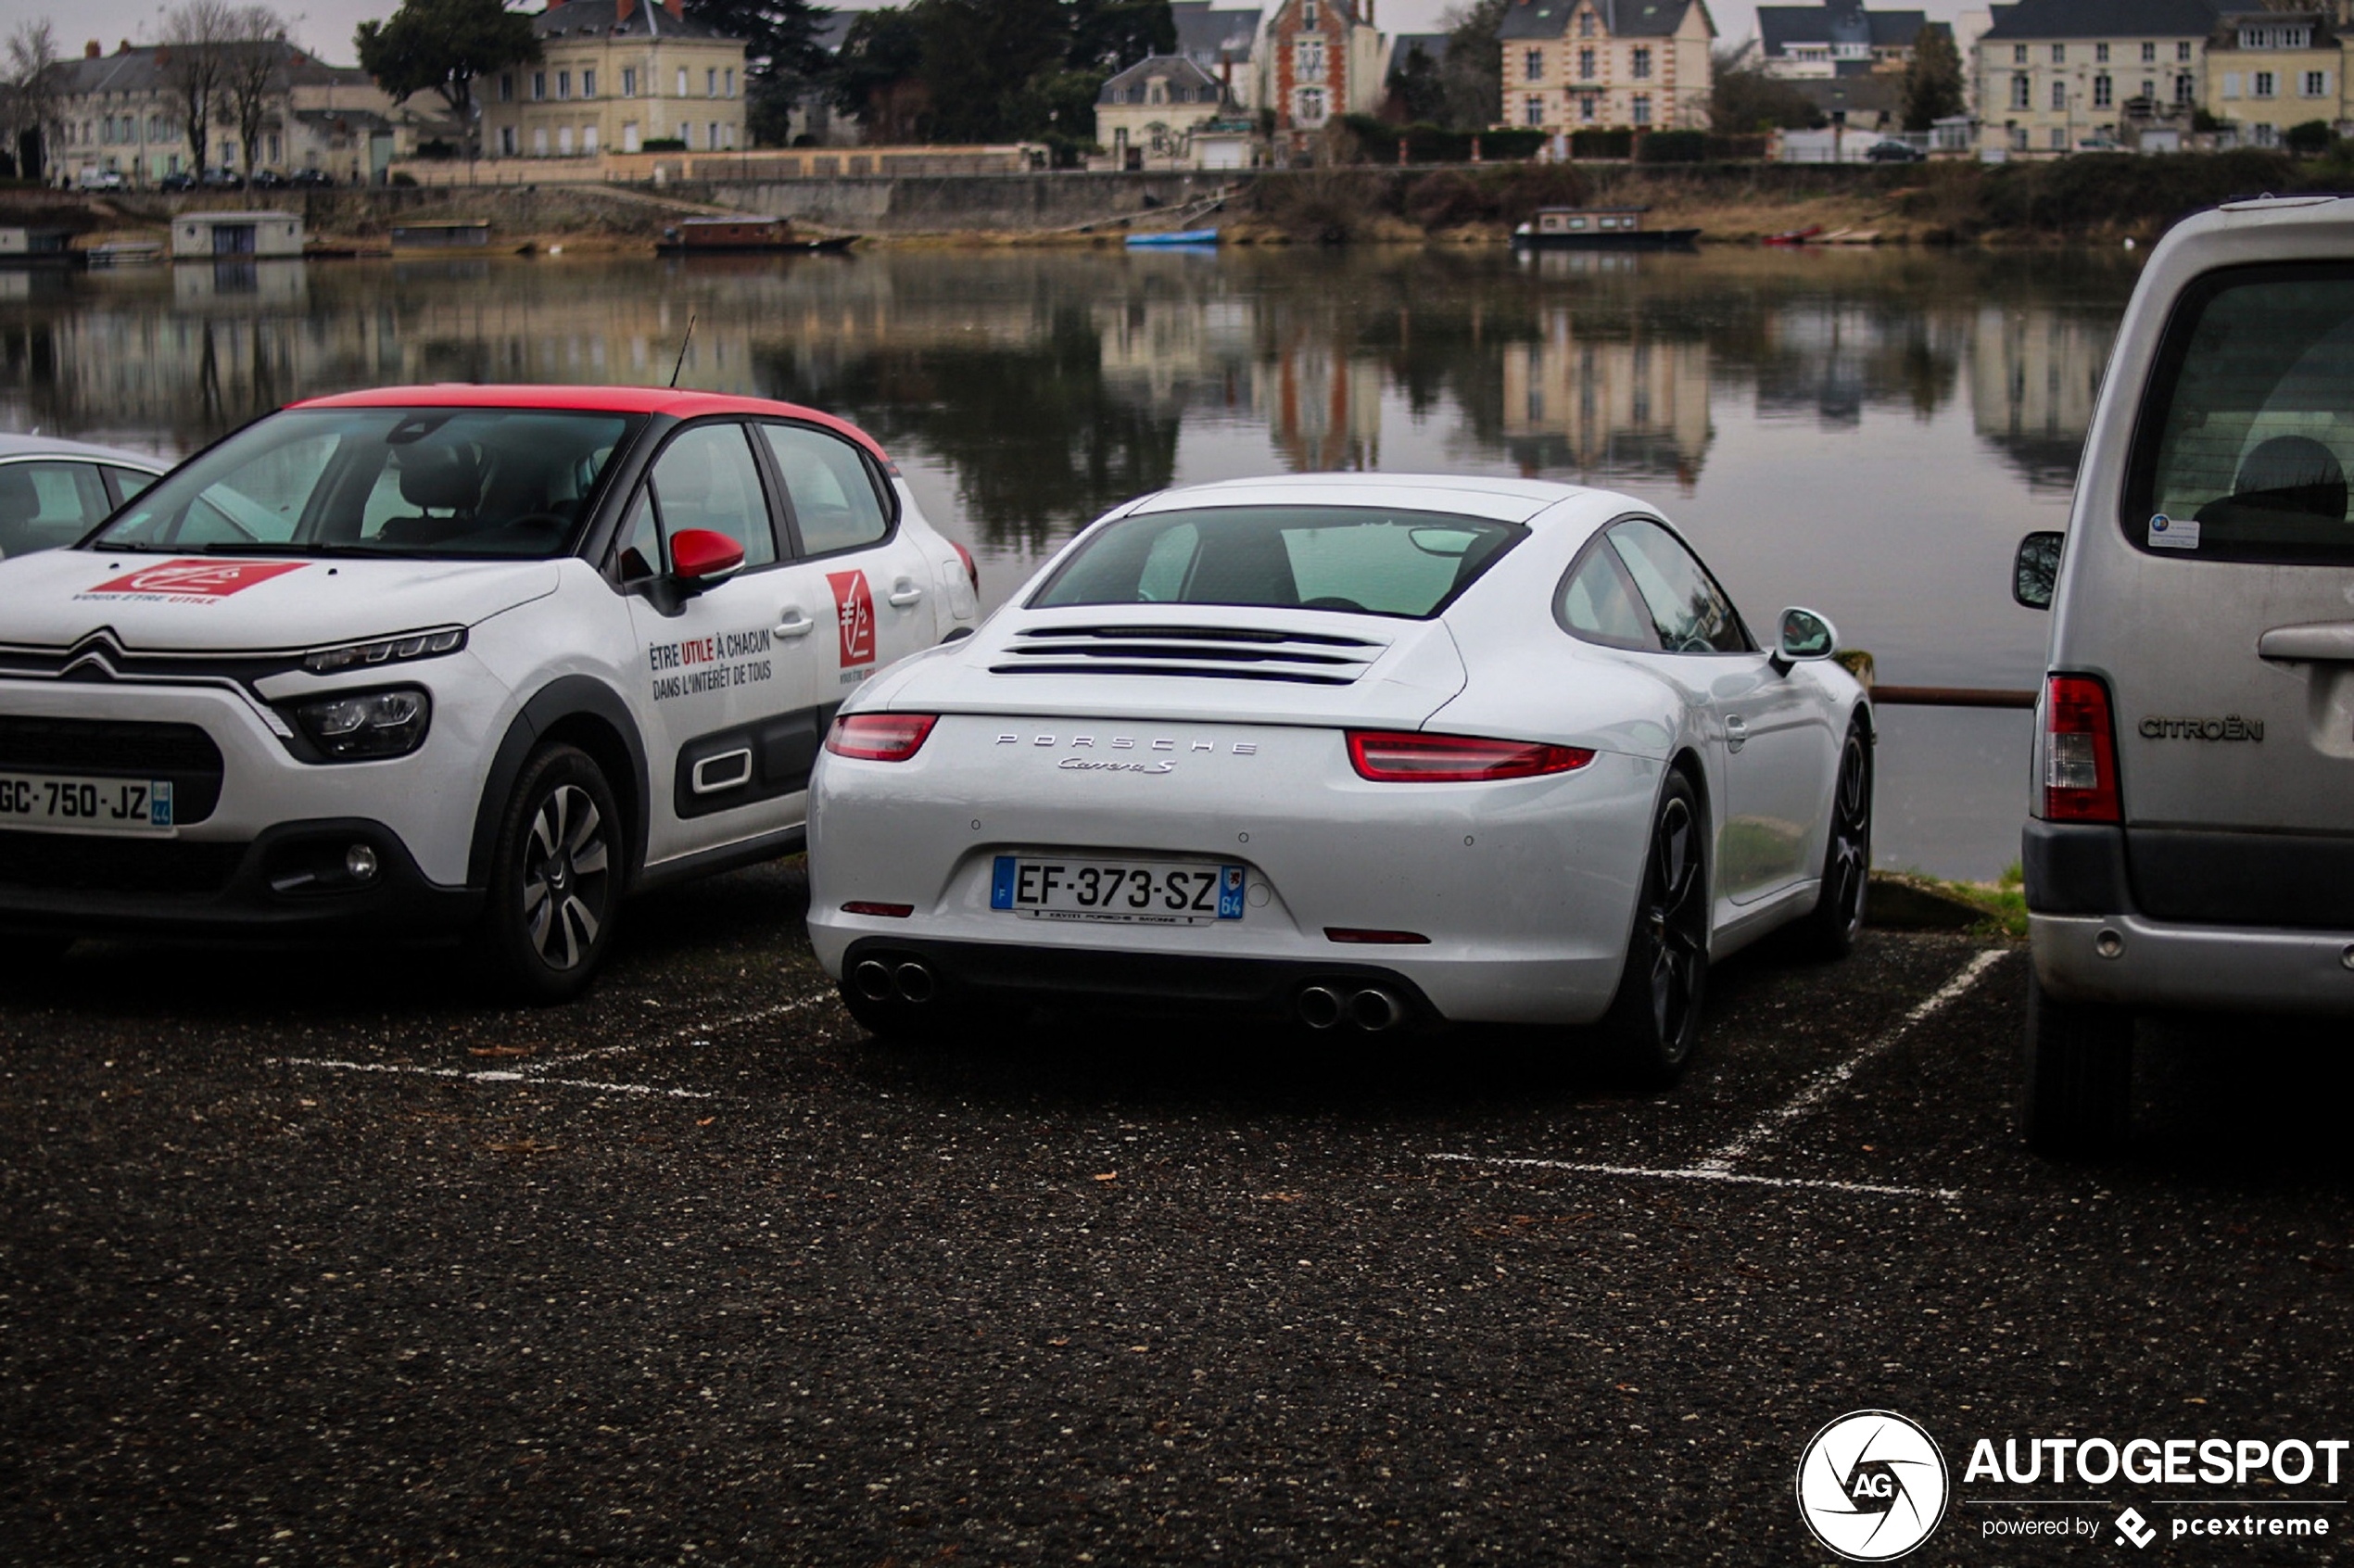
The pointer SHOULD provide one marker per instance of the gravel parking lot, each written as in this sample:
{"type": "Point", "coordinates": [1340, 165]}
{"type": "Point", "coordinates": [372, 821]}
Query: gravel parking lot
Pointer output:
{"type": "Point", "coordinates": [316, 1257]}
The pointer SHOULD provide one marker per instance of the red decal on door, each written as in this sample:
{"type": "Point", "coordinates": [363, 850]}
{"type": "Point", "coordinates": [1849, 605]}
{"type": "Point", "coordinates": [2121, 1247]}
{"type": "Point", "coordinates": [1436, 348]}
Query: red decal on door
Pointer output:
{"type": "Point", "coordinates": [854, 612]}
{"type": "Point", "coordinates": [196, 581]}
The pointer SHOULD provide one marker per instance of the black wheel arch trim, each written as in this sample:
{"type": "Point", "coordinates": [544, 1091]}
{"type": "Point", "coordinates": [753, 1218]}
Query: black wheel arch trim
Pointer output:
{"type": "Point", "coordinates": [565, 697]}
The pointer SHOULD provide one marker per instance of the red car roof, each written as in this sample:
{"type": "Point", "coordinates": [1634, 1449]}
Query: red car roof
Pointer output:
{"type": "Point", "coordinates": [679, 403]}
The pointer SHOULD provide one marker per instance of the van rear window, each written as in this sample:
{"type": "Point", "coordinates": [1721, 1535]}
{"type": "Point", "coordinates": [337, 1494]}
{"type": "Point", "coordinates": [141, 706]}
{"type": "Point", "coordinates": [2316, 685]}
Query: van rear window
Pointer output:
{"type": "Point", "coordinates": [2246, 432]}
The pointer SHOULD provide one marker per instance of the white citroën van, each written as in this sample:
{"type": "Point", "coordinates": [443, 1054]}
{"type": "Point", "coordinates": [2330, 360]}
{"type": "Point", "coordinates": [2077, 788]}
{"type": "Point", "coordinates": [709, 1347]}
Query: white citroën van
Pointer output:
{"type": "Point", "coordinates": [2192, 835]}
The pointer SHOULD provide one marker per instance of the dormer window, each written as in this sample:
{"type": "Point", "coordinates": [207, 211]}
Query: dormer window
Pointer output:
{"type": "Point", "coordinates": [2297, 37]}
{"type": "Point", "coordinates": [1585, 24]}
{"type": "Point", "coordinates": [1307, 15]}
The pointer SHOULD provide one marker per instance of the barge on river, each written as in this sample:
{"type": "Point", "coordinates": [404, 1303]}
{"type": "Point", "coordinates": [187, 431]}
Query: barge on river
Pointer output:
{"type": "Point", "coordinates": [1598, 228]}
{"type": "Point", "coordinates": [742, 236]}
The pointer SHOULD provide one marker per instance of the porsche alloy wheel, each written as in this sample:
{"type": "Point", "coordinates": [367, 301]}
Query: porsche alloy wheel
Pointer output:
{"type": "Point", "coordinates": [556, 881]}
{"type": "Point", "coordinates": [1656, 1016]}
{"type": "Point", "coordinates": [1831, 928]}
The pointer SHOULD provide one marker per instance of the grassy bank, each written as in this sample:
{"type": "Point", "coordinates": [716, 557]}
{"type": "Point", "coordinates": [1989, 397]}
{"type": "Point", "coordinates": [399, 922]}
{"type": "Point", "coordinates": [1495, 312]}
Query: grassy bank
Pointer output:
{"type": "Point", "coordinates": [2089, 198]}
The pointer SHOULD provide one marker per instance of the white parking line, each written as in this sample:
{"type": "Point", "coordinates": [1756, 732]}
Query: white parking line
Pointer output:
{"type": "Point", "coordinates": [327, 1064]}
{"type": "Point", "coordinates": [1718, 1166]}
{"type": "Point", "coordinates": [1806, 1099]}
{"type": "Point", "coordinates": [690, 1032]}
{"type": "Point", "coordinates": [1701, 1173]}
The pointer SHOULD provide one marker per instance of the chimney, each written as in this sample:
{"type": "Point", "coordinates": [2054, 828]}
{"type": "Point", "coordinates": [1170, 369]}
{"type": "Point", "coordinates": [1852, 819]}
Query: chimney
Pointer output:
{"type": "Point", "coordinates": [677, 8]}
{"type": "Point", "coordinates": [124, 47]}
{"type": "Point", "coordinates": [93, 50]}
{"type": "Point", "coordinates": [623, 10]}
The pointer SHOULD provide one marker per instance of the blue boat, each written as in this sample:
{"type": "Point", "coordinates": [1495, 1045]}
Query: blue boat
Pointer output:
{"type": "Point", "coordinates": [1181, 237]}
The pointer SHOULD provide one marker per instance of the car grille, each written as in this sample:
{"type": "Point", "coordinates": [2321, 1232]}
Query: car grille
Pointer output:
{"type": "Point", "coordinates": [82, 863]}
{"type": "Point", "coordinates": [182, 752]}
{"type": "Point", "coordinates": [1221, 653]}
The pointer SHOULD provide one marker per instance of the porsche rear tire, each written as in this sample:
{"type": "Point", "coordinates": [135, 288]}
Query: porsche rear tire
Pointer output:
{"type": "Point", "coordinates": [1830, 929]}
{"type": "Point", "coordinates": [1654, 1021]}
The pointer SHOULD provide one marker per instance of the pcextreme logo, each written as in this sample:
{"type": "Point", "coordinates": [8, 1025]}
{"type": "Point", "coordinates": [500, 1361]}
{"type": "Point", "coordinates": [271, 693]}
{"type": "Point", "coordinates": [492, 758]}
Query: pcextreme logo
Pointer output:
{"type": "Point", "coordinates": [1872, 1485]}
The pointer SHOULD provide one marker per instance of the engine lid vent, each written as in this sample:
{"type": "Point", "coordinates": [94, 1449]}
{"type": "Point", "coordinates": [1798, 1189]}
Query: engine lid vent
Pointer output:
{"type": "Point", "coordinates": [1219, 652]}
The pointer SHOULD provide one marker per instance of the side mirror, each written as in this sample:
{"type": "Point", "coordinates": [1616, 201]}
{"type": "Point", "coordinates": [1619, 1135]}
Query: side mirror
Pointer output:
{"type": "Point", "coordinates": [2035, 570]}
{"type": "Point", "coordinates": [1804, 635]}
{"type": "Point", "coordinates": [701, 557]}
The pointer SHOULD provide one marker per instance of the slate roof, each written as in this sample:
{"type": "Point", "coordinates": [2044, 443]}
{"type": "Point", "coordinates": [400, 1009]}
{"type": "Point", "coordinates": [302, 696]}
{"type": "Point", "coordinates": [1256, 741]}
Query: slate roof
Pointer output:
{"type": "Point", "coordinates": [141, 70]}
{"type": "Point", "coordinates": [1433, 45]}
{"type": "Point", "coordinates": [2104, 19]}
{"type": "Point", "coordinates": [1621, 19]}
{"type": "Point", "coordinates": [594, 19]}
{"type": "Point", "coordinates": [1188, 83]}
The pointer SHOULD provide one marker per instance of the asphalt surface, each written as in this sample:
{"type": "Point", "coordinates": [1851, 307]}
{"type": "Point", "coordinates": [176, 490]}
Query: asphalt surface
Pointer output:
{"type": "Point", "coordinates": [323, 1257]}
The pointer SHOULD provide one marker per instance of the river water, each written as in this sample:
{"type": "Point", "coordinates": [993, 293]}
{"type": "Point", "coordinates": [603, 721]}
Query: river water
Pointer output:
{"type": "Point", "coordinates": [1864, 432]}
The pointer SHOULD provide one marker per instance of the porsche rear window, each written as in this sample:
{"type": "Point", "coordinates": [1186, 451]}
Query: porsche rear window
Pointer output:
{"type": "Point", "coordinates": [1353, 559]}
{"type": "Point", "coordinates": [396, 482]}
{"type": "Point", "coordinates": [2247, 429]}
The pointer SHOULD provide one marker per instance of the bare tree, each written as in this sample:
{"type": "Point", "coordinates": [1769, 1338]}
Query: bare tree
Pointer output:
{"type": "Point", "coordinates": [253, 76]}
{"type": "Point", "coordinates": [28, 96]}
{"type": "Point", "coordinates": [195, 38]}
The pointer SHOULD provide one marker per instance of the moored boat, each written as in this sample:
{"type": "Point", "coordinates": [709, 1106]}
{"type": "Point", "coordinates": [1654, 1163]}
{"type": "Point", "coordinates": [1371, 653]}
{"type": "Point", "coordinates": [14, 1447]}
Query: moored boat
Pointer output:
{"type": "Point", "coordinates": [1598, 228]}
{"type": "Point", "coordinates": [1177, 237]}
{"type": "Point", "coordinates": [736, 236]}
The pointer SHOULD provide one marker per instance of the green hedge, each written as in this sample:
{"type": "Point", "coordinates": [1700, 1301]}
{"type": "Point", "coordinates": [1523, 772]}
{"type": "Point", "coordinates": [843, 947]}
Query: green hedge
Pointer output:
{"type": "Point", "coordinates": [1672, 147]}
{"type": "Point", "coordinates": [1377, 142]}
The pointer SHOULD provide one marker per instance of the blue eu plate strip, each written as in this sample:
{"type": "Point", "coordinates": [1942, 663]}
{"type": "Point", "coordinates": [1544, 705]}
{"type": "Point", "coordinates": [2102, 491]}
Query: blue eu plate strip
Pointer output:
{"type": "Point", "coordinates": [1001, 884]}
{"type": "Point", "coordinates": [1230, 892]}
{"type": "Point", "coordinates": [159, 803]}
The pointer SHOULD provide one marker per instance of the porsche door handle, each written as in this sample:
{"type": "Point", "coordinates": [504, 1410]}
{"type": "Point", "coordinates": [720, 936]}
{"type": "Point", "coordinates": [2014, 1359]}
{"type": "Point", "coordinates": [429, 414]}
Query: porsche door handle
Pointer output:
{"type": "Point", "coordinates": [794, 621]}
{"type": "Point", "coordinates": [904, 593]}
{"type": "Point", "coordinates": [1736, 732]}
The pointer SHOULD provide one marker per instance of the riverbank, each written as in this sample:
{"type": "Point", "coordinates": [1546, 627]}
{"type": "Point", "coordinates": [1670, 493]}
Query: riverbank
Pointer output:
{"type": "Point", "coordinates": [2085, 199]}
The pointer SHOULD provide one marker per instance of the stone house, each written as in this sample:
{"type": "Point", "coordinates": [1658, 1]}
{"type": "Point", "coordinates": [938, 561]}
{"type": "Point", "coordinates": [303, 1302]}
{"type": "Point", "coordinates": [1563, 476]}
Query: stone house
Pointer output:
{"type": "Point", "coordinates": [1153, 114]}
{"type": "Point", "coordinates": [2054, 75]}
{"type": "Point", "coordinates": [612, 76]}
{"type": "Point", "coordinates": [1835, 38]}
{"type": "Point", "coordinates": [2267, 70]}
{"type": "Point", "coordinates": [1584, 65]}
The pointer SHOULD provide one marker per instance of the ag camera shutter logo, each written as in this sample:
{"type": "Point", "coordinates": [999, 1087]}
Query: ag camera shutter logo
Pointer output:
{"type": "Point", "coordinates": [1872, 1485]}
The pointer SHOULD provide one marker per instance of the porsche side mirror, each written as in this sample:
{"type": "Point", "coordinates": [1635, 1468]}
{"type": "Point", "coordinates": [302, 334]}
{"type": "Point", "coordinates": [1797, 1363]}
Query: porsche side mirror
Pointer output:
{"type": "Point", "coordinates": [1804, 635]}
{"type": "Point", "coordinates": [2035, 570]}
{"type": "Point", "coordinates": [701, 557]}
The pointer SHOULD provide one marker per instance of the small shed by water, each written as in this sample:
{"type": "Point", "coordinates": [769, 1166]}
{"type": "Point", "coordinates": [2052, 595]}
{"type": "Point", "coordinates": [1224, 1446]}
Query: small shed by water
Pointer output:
{"type": "Point", "coordinates": [210, 234]}
{"type": "Point", "coordinates": [36, 247]}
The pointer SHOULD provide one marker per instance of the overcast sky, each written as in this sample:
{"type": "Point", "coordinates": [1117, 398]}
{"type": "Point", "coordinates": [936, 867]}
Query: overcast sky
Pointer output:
{"type": "Point", "coordinates": [326, 26]}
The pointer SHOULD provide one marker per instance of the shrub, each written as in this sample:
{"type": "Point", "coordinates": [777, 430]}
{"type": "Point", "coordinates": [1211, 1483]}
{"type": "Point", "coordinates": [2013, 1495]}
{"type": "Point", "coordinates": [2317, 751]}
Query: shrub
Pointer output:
{"type": "Point", "coordinates": [1448, 199]}
{"type": "Point", "coordinates": [663, 143]}
{"type": "Point", "coordinates": [2309, 139]}
{"type": "Point", "coordinates": [1601, 144]}
{"type": "Point", "coordinates": [1673, 146]}
{"type": "Point", "coordinates": [1520, 191]}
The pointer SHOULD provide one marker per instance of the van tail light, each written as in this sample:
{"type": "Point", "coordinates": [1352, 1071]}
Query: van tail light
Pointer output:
{"type": "Point", "coordinates": [972, 567]}
{"type": "Point", "coordinates": [2080, 753]}
{"type": "Point", "coordinates": [878, 736]}
{"type": "Point", "coordinates": [1392, 757]}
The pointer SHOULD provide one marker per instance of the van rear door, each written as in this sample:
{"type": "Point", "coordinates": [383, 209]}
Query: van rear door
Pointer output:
{"type": "Point", "coordinates": [2233, 683]}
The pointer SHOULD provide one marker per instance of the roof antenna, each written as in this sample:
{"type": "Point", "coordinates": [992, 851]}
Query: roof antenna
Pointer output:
{"type": "Point", "coordinates": [682, 350]}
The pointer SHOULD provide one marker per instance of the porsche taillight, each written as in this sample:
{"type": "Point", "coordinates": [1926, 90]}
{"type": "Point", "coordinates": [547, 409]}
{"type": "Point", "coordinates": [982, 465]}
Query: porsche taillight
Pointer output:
{"type": "Point", "coordinates": [880, 737]}
{"type": "Point", "coordinates": [2080, 753]}
{"type": "Point", "coordinates": [1403, 757]}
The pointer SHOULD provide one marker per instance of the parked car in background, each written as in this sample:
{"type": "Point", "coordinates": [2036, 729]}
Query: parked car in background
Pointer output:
{"type": "Point", "coordinates": [450, 660]}
{"type": "Point", "coordinates": [310, 179]}
{"type": "Point", "coordinates": [2192, 837]}
{"type": "Point", "coordinates": [270, 179]}
{"type": "Point", "coordinates": [101, 180]}
{"type": "Point", "coordinates": [53, 492]}
{"type": "Point", "coordinates": [177, 180]}
{"type": "Point", "coordinates": [223, 180]}
{"type": "Point", "coordinates": [1895, 152]}
{"type": "Point", "coordinates": [1360, 750]}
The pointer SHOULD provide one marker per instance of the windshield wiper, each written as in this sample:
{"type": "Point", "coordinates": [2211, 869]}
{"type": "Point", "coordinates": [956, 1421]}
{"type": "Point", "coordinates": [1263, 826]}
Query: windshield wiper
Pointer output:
{"type": "Point", "coordinates": [289, 549]}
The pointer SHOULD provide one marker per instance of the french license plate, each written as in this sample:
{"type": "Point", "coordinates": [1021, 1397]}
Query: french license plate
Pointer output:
{"type": "Point", "coordinates": [96, 806]}
{"type": "Point", "coordinates": [1137, 892]}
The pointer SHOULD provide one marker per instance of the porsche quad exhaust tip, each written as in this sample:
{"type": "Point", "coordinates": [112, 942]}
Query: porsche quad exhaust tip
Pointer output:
{"type": "Point", "coordinates": [873, 980]}
{"type": "Point", "coordinates": [914, 981]}
{"type": "Point", "coordinates": [1374, 1010]}
{"type": "Point", "coordinates": [1320, 1006]}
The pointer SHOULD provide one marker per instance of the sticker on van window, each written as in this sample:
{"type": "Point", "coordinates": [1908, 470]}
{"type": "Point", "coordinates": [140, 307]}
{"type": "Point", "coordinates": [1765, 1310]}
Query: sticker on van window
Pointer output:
{"type": "Point", "coordinates": [2173, 533]}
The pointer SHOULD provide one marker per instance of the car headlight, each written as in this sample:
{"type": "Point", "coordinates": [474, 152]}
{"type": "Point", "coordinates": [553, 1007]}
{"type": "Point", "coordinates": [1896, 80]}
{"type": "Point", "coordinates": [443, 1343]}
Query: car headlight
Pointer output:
{"type": "Point", "coordinates": [385, 650]}
{"type": "Point", "coordinates": [360, 726]}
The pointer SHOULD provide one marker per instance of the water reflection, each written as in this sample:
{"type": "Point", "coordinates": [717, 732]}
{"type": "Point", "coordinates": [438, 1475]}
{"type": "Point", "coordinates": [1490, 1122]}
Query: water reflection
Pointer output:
{"type": "Point", "coordinates": [1865, 432]}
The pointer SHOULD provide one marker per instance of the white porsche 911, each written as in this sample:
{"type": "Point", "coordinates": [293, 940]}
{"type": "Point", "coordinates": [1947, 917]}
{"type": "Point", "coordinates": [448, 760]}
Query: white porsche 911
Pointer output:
{"type": "Point", "coordinates": [1356, 749]}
